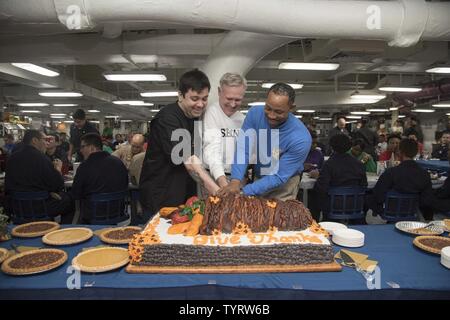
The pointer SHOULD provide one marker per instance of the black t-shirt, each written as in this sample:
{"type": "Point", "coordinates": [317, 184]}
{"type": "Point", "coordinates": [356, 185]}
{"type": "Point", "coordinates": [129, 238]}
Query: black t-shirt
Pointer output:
{"type": "Point", "coordinates": [28, 169]}
{"type": "Point", "coordinates": [162, 182]}
{"type": "Point", "coordinates": [76, 134]}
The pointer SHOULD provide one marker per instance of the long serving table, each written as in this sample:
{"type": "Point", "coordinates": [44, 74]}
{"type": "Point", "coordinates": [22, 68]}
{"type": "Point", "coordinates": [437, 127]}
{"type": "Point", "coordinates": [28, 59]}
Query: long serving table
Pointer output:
{"type": "Point", "coordinates": [405, 272]}
{"type": "Point", "coordinates": [438, 165]}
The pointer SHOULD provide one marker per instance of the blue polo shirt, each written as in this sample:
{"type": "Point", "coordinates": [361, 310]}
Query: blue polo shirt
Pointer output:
{"type": "Point", "coordinates": [278, 153]}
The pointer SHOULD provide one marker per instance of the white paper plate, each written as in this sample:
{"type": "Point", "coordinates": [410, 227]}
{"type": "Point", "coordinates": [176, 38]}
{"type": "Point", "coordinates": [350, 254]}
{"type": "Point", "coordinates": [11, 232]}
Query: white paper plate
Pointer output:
{"type": "Point", "coordinates": [348, 238]}
{"type": "Point", "coordinates": [332, 226]}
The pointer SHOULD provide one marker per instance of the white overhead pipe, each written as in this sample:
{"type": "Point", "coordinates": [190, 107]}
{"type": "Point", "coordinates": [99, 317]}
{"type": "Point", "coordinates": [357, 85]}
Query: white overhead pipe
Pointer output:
{"type": "Point", "coordinates": [402, 22]}
{"type": "Point", "coordinates": [96, 49]}
{"type": "Point", "coordinates": [238, 52]}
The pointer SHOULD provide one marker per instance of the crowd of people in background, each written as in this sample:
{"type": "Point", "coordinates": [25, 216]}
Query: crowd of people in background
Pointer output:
{"type": "Point", "coordinates": [109, 162]}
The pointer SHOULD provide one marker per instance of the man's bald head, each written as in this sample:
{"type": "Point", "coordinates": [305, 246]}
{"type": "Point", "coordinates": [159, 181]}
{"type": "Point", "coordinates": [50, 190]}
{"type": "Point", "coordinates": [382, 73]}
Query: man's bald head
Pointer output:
{"type": "Point", "coordinates": [137, 143]}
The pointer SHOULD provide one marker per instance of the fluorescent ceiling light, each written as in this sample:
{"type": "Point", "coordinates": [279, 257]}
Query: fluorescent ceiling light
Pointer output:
{"type": "Point", "coordinates": [400, 89]}
{"type": "Point", "coordinates": [363, 101]}
{"type": "Point", "coordinates": [126, 120]}
{"type": "Point", "coordinates": [378, 110]}
{"type": "Point", "coordinates": [68, 121]}
{"type": "Point", "coordinates": [393, 108]}
{"type": "Point", "coordinates": [368, 96]}
{"type": "Point", "coordinates": [423, 110]}
{"type": "Point", "coordinates": [447, 114]}
{"type": "Point", "coordinates": [305, 111]}
{"type": "Point", "coordinates": [111, 117]}
{"type": "Point", "coordinates": [316, 118]}
{"type": "Point", "coordinates": [353, 117]}
{"type": "Point", "coordinates": [30, 111]}
{"type": "Point", "coordinates": [295, 86]}
{"type": "Point", "coordinates": [57, 117]}
{"type": "Point", "coordinates": [442, 105]}
{"type": "Point", "coordinates": [93, 111]}
{"type": "Point", "coordinates": [360, 112]}
{"type": "Point", "coordinates": [94, 121]}
{"type": "Point", "coordinates": [130, 102]}
{"type": "Point", "coordinates": [160, 94]}
{"type": "Point", "coordinates": [325, 119]}
{"type": "Point", "coordinates": [33, 104]}
{"type": "Point", "coordinates": [257, 103]}
{"type": "Point", "coordinates": [401, 116]}
{"type": "Point", "coordinates": [439, 70]}
{"type": "Point", "coordinates": [308, 66]}
{"type": "Point", "coordinates": [134, 76]}
{"type": "Point", "coordinates": [57, 114]}
{"type": "Point", "coordinates": [60, 94]}
{"type": "Point", "coordinates": [298, 116]}
{"type": "Point", "coordinates": [155, 110]}
{"type": "Point", "coordinates": [37, 69]}
{"type": "Point", "coordinates": [65, 104]}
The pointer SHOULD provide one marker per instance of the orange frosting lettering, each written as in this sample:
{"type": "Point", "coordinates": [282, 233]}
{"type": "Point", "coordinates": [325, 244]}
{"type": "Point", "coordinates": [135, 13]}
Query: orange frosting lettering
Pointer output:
{"type": "Point", "coordinates": [200, 240]}
{"type": "Point", "coordinates": [235, 239]}
{"type": "Point", "coordinates": [256, 238]}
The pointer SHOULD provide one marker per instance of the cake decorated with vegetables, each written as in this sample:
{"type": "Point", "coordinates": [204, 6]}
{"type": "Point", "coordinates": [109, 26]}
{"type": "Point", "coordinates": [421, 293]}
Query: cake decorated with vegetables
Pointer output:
{"type": "Point", "coordinates": [233, 231]}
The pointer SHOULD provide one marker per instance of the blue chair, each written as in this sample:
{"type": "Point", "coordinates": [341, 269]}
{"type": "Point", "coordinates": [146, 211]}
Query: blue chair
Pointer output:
{"type": "Point", "coordinates": [346, 203]}
{"type": "Point", "coordinates": [400, 206]}
{"type": "Point", "coordinates": [29, 206]}
{"type": "Point", "coordinates": [106, 208]}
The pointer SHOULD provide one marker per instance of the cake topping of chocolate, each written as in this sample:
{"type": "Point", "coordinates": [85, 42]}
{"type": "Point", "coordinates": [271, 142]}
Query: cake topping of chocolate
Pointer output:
{"type": "Point", "coordinates": [258, 214]}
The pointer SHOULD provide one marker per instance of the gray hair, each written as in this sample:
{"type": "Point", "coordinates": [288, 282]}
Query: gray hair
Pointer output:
{"type": "Point", "coordinates": [233, 80]}
{"type": "Point", "coordinates": [283, 89]}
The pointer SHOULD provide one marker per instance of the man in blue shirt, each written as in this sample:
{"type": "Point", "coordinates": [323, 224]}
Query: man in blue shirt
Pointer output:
{"type": "Point", "coordinates": [279, 144]}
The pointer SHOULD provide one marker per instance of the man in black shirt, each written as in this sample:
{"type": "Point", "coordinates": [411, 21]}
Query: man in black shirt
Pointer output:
{"type": "Point", "coordinates": [407, 177]}
{"type": "Point", "coordinates": [441, 151]}
{"type": "Point", "coordinates": [79, 128]}
{"type": "Point", "coordinates": [30, 170]}
{"type": "Point", "coordinates": [98, 173]}
{"type": "Point", "coordinates": [165, 181]}
{"type": "Point", "coordinates": [341, 170]}
{"type": "Point", "coordinates": [339, 129]}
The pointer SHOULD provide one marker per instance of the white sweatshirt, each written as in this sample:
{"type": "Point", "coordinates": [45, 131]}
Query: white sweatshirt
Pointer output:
{"type": "Point", "coordinates": [220, 132]}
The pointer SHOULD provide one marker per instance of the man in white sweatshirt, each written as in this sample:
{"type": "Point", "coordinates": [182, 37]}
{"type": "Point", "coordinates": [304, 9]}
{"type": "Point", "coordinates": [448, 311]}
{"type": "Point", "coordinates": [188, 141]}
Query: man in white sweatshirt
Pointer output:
{"type": "Point", "coordinates": [222, 122]}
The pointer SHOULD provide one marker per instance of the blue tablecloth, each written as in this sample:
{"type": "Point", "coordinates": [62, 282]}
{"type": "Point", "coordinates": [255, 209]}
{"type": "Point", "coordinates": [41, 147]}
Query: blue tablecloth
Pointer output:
{"type": "Point", "coordinates": [406, 272]}
{"type": "Point", "coordinates": [437, 165]}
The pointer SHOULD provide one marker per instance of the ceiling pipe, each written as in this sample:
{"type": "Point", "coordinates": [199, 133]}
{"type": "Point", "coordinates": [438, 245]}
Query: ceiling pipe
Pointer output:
{"type": "Point", "coordinates": [430, 90]}
{"type": "Point", "coordinates": [402, 23]}
{"type": "Point", "coordinates": [96, 49]}
{"type": "Point", "coordinates": [238, 52]}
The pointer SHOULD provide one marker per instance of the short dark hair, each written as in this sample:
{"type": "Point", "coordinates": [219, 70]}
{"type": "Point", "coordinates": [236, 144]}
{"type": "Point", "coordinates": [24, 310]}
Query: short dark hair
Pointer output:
{"type": "Point", "coordinates": [340, 143]}
{"type": "Point", "coordinates": [413, 132]}
{"type": "Point", "coordinates": [79, 114]}
{"type": "Point", "coordinates": [194, 80]}
{"type": "Point", "coordinates": [409, 147]}
{"type": "Point", "coordinates": [360, 143]}
{"type": "Point", "coordinates": [30, 134]}
{"type": "Point", "coordinates": [55, 135]}
{"type": "Point", "coordinates": [445, 132]}
{"type": "Point", "coordinates": [93, 139]}
{"type": "Point", "coordinates": [394, 135]}
{"type": "Point", "coordinates": [283, 89]}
